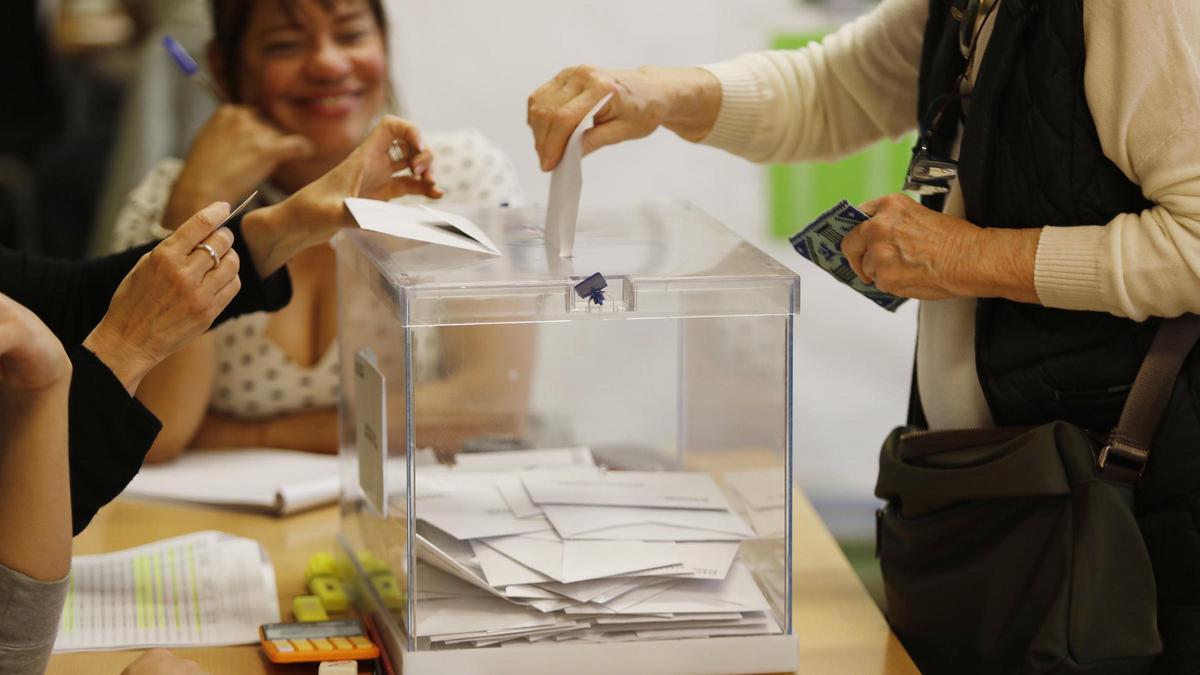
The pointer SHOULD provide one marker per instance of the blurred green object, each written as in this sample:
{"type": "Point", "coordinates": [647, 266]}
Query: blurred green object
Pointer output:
{"type": "Point", "coordinates": [800, 192]}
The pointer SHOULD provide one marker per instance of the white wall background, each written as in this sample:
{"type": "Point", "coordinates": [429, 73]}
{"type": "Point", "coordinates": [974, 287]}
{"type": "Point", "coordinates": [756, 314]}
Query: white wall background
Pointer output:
{"type": "Point", "coordinates": [469, 63]}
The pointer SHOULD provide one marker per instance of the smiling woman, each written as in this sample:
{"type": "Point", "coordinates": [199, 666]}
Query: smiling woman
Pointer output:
{"type": "Point", "coordinates": [305, 80]}
{"type": "Point", "coordinates": [312, 67]}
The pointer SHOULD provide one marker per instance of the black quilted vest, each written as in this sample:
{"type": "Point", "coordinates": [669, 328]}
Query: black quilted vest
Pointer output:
{"type": "Point", "coordinates": [1031, 157]}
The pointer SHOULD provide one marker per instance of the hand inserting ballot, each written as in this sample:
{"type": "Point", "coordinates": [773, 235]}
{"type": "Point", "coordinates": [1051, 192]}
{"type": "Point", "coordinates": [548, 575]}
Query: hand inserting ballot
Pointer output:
{"type": "Point", "coordinates": [684, 100]}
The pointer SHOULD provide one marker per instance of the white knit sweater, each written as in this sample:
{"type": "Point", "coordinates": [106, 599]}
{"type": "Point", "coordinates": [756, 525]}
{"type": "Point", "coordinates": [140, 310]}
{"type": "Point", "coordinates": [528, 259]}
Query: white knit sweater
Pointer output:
{"type": "Point", "coordinates": [1142, 81]}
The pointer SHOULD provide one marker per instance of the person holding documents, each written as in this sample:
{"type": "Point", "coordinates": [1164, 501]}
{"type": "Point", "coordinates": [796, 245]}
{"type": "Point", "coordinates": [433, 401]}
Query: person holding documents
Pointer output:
{"type": "Point", "coordinates": [1074, 220]}
{"type": "Point", "coordinates": [121, 316]}
{"type": "Point", "coordinates": [303, 82]}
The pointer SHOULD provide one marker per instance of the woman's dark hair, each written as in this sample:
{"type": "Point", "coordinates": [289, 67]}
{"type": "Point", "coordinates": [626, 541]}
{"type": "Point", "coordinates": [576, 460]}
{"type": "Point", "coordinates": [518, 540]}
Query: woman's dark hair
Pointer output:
{"type": "Point", "coordinates": [229, 26]}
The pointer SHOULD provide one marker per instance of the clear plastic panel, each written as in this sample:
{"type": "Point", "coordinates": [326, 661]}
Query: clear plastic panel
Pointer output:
{"type": "Point", "coordinates": [573, 472]}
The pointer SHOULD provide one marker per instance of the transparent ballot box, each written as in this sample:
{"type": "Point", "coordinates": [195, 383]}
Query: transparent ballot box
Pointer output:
{"type": "Point", "coordinates": [548, 471]}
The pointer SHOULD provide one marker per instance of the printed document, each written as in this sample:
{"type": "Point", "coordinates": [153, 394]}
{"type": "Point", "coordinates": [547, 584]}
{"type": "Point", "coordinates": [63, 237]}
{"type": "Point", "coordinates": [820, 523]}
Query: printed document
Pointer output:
{"type": "Point", "coordinates": [201, 589]}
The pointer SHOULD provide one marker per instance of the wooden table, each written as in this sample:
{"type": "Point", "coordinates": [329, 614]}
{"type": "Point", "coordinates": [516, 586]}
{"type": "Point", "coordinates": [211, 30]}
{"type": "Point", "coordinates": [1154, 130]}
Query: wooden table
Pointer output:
{"type": "Point", "coordinates": [839, 627]}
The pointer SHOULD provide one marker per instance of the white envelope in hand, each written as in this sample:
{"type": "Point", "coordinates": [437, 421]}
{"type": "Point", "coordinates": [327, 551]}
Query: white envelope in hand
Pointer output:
{"type": "Point", "coordinates": [645, 524]}
{"type": "Point", "coordinates": [420, 223]}
{"type": "Point", "coordinates": [660, 489]}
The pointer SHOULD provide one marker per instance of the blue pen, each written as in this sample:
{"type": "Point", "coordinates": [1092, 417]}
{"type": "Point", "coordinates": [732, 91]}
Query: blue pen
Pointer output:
{"type": "Point", "coordinates": [189, 67]}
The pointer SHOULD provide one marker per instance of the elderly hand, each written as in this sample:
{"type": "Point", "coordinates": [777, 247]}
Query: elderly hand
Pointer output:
{"type": "Point", "coordinates": [232, 154]}
{"type": "Point", "coordinates": [162, 662]}
{"type": "Point", "coordinates": [314, 214]}
{"type": "Point", "coordinates": [685, 100]}
{"type": "Point", "coordinates": [171, 296]}
{"type": "Point", "coordinates": [31, 358]}
{"type": "Point", "coordinates": [908, 250]}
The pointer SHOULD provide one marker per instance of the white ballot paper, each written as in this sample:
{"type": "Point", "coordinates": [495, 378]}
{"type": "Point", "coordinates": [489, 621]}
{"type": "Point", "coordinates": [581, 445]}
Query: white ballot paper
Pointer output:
{"type": "Point", "coordinates": [420, 223]}
{"type": "Point", "coordinates": [659, 489]}
{"type": "Point", "coordinates": [277, 481]}
{"type": "Point", "coordinates": [646, 524]}
{"type": "Point", "coordinates": [562, 209]}
{"type": "Point", "coordinates": [509, 553]}
{"type": "Point", "coordinates": [205, 588]}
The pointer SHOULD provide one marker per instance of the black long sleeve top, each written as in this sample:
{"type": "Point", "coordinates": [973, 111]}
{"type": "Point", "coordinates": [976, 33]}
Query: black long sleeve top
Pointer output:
{"type": "Point", "coordinates": [109, 431]}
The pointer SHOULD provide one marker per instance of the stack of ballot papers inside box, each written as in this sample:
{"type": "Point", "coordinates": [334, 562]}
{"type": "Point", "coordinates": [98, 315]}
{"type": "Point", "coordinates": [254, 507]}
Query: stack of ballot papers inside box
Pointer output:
{"type": "Point", "coordinates": [565, 550]}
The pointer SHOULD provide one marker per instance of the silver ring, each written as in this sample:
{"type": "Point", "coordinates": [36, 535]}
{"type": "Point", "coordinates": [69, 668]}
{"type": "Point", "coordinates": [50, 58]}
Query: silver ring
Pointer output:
{"type": "Point", "coordinates": [395, 152]}
{"type": "Point", "coordinates": [212, 252]}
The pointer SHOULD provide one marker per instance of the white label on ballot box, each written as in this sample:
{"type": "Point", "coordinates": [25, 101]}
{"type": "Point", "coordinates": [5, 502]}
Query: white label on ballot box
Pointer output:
{"type": "Point", "coordinates": [371, 394]}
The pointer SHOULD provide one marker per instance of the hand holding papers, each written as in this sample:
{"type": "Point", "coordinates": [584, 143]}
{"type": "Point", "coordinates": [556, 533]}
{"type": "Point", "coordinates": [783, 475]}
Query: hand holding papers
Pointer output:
{"type": "Point", "coordinates": [553, 548]}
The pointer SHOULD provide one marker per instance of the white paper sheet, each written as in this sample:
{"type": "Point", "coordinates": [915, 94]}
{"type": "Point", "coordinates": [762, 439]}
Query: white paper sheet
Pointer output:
{"type": "Point", "coordinates": [658, 489]}
{"type": "Point", "coordinates": [470, 511]}
{"type": "Point", "coordinates": [205, 588]}
{"type": "Point", "coordinates": [523, 460]}
{"type": "Point", "coordinates": [566, 182]}
{"type": "Point", "coordinates": [646, 524]}
{"type": "Point", "coordinates": [277, 481]}
{"type": "Point", "coordinates": [467, 615]}
{"type": "Point", "coordinates": [572, 561]}
{"type": "Point", "coordinates": [737, 592]}
{"type": "Point", "coordinates": [451, 556]}
{"type": "Point", "coordinates": [420, 223]}
{"type": "Point", "coordinates": [501, 570]}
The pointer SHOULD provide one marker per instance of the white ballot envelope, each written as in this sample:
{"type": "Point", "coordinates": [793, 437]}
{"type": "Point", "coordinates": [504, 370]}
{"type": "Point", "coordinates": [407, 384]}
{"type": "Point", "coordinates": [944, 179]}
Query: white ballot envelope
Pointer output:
{"type": "Point", "coordinates": [501, 570]}
{"type": "Point", "coordinates": [469, 512]}
{"type": "Point", "coordinates": [465, 615]}
{"type": "Point", "coordinates": [420, 223]}
{"type": "Point", "coordinates": [566, 182]}
{"type": "Point", "coordinates": [645, 524]}
{"type": "Point", "coordinates": [572, 561]}
{"type": "Point", "coordinates": [660, 489]}
{"type": "Point", "coordinates": [736, 593]}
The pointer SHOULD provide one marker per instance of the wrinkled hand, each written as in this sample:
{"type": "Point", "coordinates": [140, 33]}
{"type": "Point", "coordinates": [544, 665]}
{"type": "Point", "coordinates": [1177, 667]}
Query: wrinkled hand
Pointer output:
{"type": "Point", "coordinates": [232, 154]}
{"type": "Point", "coordinates": [31, 358]}
{"type": "Point", "coordinates": [908, 250]}
{"type": "Point", "coordinates": [685, 100]}
{"type": "Point", "coordinates": [315, 213]}
{"type": "Point", "coordinates": [171, 296]}
{"type": "Point", "coordinates": [162, 662]}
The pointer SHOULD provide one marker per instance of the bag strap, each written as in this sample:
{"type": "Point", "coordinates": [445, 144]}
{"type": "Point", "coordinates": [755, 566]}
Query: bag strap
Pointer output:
{"type": "Point", "coordinates": [1128, 446]}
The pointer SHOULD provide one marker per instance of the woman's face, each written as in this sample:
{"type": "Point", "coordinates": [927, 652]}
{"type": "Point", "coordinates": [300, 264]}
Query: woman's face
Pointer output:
{"type": "Point", "coordinates": [315, 68]}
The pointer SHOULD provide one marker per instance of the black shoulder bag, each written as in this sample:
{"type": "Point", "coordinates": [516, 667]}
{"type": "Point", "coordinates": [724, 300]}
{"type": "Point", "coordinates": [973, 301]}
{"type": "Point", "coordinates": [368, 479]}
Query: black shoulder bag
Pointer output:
{"type": "Point", "coordinates": [1018, 550]}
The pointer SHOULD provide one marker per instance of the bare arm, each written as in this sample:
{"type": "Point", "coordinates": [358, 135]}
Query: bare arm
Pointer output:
{"type": "Point", "coordinates": [310, 431]}
{"type": "Point", "coordinates": [826, 100]}
{"type": "Point", "coordinates": [35, 492]}
{"type": "Point", "coordinates": [178, 392]}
